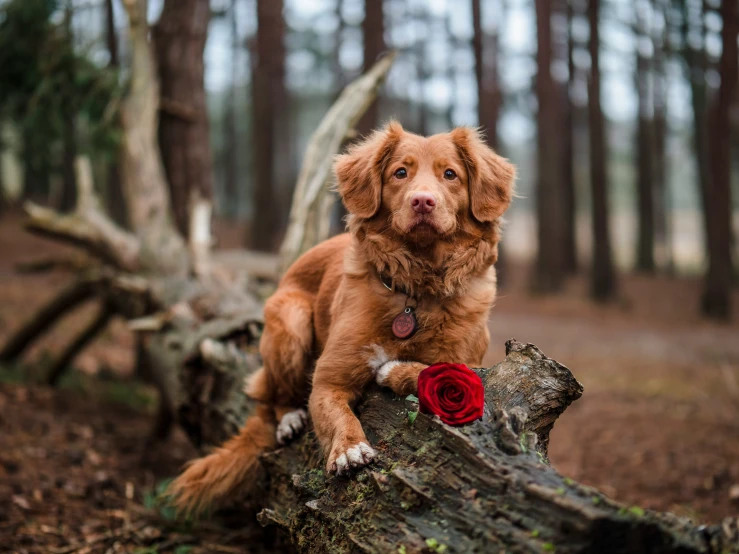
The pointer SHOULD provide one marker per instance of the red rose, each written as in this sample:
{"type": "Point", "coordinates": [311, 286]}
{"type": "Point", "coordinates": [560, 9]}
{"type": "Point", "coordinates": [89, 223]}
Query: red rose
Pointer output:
{"type": "Point", "coordinates": [452, 391]}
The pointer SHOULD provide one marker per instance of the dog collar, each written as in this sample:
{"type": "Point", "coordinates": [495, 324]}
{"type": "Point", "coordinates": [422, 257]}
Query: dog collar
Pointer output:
{"type": "Point", "coordinates": [405, 323]}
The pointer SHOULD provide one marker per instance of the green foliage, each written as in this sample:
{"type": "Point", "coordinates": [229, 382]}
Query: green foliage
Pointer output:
{"type": "Point", "coordinates": [436, 546]}
{"type": "Point", "coordinates": [412, 417]}
{"type": "Point", "coordinates": [49, 87]}
{"type": "Point", "coordinates": [160, 502]}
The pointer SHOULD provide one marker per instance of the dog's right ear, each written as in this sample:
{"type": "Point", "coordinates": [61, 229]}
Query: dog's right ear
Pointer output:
{"type": "Point", "coordinates": [359, 171]}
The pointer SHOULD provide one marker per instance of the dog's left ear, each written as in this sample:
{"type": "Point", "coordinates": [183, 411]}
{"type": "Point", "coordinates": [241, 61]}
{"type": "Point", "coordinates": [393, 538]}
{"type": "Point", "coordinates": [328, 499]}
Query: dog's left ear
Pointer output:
{"type": "Point", "coordinates": [490, 177]}
{"type": "Point", "coordinates": [359, 171]}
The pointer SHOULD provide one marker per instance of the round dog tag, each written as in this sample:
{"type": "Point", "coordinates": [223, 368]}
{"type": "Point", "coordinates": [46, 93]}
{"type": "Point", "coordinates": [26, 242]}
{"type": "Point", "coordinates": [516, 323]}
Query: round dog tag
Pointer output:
{"type": "Point", "coordinates": [405, 324]}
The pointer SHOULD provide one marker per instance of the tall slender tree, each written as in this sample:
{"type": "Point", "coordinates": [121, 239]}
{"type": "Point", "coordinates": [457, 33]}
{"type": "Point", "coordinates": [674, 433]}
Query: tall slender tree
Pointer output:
{"type": "Point", "coordinates": [230, 136]}
{"type": "Point", "coordinates": [179, 40]}
{"type": "Point", "coordinates": [662, 227]}
{"type": "Point", "coordinates": [422, 19]}
{"type": "Point", "coordinates": [116, 202]}
{"type": "Point", "coordinates": [485, 47]}
{"type": "Point", "coordinates": [68, 197]}
{"type": "Point", "coordinates": [489, 98]}
{"type": "Point", "coordinates": [603, 278]}
{"type": "Point", "coordinates": [644, 141]}
{"type": "Point", "coordinates": [718, 209]}
{"type": "Point", "coordinates": [570, 130]}
{"type": "Point", "coordinates": [373, 30]}
{"type": "Point", "coordinates": [550, 268]}
{"type": "Point", "coordinates": [269, 104]}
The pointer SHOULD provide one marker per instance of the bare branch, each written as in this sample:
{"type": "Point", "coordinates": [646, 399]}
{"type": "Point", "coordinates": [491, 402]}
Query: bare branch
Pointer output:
{"type": "Point", "coordinates": [313, 200]}
{"type": "Point", "coordinates": [89, 333]}
{"type": "Point", "coordinates": [90, 230]}
{"type": "Point", "coordinates": [69, 298]}
{"type": "Point", "coordinates": [87, 227]}
{"type": "Point", "coordinates": [200, 237]}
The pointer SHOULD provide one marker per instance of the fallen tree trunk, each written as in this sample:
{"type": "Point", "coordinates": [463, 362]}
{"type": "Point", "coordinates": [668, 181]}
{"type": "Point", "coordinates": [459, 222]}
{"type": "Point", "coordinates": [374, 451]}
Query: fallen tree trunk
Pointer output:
{"type": "Point", "coordinates": [485, 487]}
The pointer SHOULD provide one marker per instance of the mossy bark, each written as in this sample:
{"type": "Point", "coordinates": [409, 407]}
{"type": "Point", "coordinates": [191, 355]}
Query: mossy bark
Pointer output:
{"type": "Point", "coordinates": [484, 487]}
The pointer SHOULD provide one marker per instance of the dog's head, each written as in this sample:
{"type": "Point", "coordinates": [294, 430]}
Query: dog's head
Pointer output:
{"type": "Point", "coordinates": [424, 188]}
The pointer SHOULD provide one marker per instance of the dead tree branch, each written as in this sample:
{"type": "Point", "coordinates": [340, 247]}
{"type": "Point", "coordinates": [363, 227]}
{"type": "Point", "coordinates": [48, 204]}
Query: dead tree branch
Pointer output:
{"type": "Point", "coordinates": [93, 329]}
{"type": "Point", "coordinates": [87, 227]}
{"type": "Point", "coordinates": [310, 213]}
{"type": "Point", "coordinates": [69, 298]}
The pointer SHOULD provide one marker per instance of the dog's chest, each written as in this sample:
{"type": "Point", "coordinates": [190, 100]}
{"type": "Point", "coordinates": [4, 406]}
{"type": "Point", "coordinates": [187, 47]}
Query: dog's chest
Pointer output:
{"type": "Point", "coordinates": [452, 332]}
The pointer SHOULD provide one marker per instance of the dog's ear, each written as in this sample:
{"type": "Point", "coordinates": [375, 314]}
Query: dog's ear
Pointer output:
{"type": "Point", "coordinates": [490, 177]}
{"type": "Point", "coordinates": [359, 171]}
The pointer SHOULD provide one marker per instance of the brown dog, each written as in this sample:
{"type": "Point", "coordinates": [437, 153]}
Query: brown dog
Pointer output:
{"type": "Point", "coordinates": [411, 284]}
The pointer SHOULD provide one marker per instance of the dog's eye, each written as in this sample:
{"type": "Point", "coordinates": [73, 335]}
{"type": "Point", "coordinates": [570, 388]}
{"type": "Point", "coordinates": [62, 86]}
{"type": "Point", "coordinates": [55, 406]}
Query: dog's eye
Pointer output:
{"type": "Point", "coordinates": [450, 175]}
{"type": "Point", "coordinates": [401, 173]}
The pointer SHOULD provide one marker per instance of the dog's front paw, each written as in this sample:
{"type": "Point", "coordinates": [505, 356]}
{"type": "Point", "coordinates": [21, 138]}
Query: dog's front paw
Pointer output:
{"type": "Point", "coordinates": [381, 364]}
{"type": "Point", "coordinates": [383, 372]}
{"type": "Point", "coordinates": [344, 457]}
{"type": "Point", "coordinates": [291, 425]}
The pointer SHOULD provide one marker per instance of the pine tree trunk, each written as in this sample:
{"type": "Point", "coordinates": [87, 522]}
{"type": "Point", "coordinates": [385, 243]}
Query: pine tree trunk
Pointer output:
{"type": "Point", "coordinates": [68, 197]}
{"type": "Point", "coordinates": [662, 225]}
{"type": "Point", "coordinates": [115, 201]}
{"type": "Point", "coordinates": [550, 205]}
{"type": "Point", "coordinates": [179, 40]}
{"type": "Point", "coordinates": [644, 145]}
{"type": "Point", "coordinates": [718, 212]}
{"type": "Point", "coordinates": [230, 137]}
{"type": "Point", "coordinates": [488, 99]}
{"type": "Point", "coordinates": [373, 29]}
{"type": "Point", "coordinates": [269, 101]}
{"type": "Point", "coordinates": [570, 185]}
{"type": "Point", "coordinates": [603, 280]}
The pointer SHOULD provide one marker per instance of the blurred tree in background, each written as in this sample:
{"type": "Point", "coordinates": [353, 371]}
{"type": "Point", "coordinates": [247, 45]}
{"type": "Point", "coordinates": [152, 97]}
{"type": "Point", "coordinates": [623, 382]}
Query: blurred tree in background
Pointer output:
{"type": "Point", "coordinates": [619, 114]}
{"type": "Point", "coordinates": [61, 101]}
{"type": "Point", "coordinates": [179, 40]}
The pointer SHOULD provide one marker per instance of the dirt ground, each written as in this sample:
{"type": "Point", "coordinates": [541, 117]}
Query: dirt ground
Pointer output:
{"type": "Point", "coordinates": [657, 426]}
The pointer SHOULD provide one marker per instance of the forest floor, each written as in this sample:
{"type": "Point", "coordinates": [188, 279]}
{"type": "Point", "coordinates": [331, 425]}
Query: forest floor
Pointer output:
{"type": "Point", "coordinates": [657, 426]}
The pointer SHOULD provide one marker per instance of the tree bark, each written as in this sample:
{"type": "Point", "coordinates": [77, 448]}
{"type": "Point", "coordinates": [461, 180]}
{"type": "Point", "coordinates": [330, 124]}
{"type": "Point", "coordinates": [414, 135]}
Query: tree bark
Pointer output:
{"type": "Point", "coordinates": [230, 136]}
{"type": "Point", "coordinates": [179, 40]}
{"type": "Point", "coordinates": [489, 99]}
{"type": "Point", "coordinates": [550, 207]}
{"type": "Point", "coordinates": [373, 30]}
{"type": "Point", "coordinates": [484, 487]}
{"type": "Point", "coordinates": [718, 209]}
{"type": "Point", "coordinates": [144, 183]}
{"type": "Point", "coordinates": [644, 144]}
{"type": "Point", "coordinates": [570, 131]}
{"type": "Point", "coordinates": [67, 199]}
{"type": "Point", "coordinates": [269, 102]}
{"type": "Point", "coordinates": [116, 204]}
{"type": "Point", "coordinates": [603, 279]}
{"type": "Point", "coordinates": [663, 209]}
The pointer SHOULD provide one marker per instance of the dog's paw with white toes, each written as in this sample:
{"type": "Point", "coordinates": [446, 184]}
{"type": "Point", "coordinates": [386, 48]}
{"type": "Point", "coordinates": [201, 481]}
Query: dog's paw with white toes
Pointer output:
{"type": "Point", "coordinates": [353, 457]}
{"type": "Point", "coordinates": [291, 425]}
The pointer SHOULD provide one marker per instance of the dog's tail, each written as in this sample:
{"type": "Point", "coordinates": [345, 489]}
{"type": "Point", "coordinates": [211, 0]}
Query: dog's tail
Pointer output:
{"type": "Point", "coordinates": [229, 471]}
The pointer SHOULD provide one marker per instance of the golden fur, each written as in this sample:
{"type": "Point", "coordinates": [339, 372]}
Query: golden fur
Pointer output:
{"type": "Point", "coordinates": [328, 327]}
